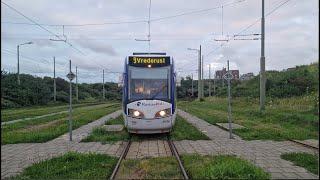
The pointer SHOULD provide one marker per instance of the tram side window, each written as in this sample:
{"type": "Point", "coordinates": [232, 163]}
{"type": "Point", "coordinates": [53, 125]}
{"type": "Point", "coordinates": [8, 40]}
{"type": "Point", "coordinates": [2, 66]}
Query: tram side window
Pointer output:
{"type": "Point", "coordinates": [149, 83]}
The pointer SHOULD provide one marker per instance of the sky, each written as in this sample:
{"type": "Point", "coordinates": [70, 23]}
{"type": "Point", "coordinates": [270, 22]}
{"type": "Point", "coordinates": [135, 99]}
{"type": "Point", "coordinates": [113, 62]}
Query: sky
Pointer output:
{"type": "Point", "coordinates": [103, 32]}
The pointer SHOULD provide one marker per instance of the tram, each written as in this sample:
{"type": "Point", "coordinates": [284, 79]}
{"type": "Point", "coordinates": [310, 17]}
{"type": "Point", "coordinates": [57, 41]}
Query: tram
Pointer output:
{"type": "Point", "coordinates": [149, 100]}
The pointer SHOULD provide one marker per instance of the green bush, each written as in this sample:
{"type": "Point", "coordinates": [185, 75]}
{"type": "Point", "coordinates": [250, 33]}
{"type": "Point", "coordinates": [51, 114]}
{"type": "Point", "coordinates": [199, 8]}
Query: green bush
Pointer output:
{"type": "Point", "coordinates": [62, 96]}
{"type": "Point", "coordinates": [9, 104]}
{"type": "Point", "coordinates": [299, 81]}
{"type": "Point", "coordinates": [39, 91]}
{"type": "Point", "coordinates": [31, 91]}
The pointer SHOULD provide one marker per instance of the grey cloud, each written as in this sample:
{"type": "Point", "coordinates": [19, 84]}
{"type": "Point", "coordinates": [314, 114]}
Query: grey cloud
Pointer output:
{"type": "Point", "coordinates": [291, 33]}
{"type": "Point", "coordinates": [85, 62]}
{"type": "Point", "coordinates": [43, 43]}
{"type": "Point", "coordinates": [97, 46]}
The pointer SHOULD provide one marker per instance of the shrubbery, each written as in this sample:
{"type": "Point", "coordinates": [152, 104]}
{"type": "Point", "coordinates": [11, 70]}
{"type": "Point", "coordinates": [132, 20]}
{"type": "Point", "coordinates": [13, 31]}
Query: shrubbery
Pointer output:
{"type": "Point", "coordinates": [39, 91]}
{"type": "Point", "coordinates": [298, 81]}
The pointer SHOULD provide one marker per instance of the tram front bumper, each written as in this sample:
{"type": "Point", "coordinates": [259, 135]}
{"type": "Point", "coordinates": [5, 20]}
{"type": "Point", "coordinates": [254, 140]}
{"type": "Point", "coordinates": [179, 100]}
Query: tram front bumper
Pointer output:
{"type": "Point", "coordinates": [149, 126]}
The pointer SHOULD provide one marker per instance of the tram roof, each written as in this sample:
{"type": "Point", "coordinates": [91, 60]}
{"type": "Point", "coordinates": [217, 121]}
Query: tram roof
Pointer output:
{"type": "Point", "coordinates": [149, 54]}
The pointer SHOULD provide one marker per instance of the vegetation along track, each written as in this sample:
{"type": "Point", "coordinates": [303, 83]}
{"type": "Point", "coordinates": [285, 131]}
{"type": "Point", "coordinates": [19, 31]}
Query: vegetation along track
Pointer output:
{"type": "Point", "coordinates": [172, 149]}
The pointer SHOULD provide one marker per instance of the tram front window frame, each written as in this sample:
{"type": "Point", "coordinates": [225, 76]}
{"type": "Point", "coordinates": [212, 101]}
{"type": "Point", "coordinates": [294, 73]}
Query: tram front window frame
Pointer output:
{"type": "Point", "coordinates": [154, 83]}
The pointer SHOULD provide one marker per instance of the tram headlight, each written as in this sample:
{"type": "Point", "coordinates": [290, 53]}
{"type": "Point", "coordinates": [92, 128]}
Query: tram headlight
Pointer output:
{"type": "Point", "coordinates": [135, 113]}
{"type": "Point", "coordinates": [163, 113]}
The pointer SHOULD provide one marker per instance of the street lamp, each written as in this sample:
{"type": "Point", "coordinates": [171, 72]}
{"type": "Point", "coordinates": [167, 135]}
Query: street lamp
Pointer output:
{"type": "Point", "coordinates": [192, 49]}
{"type": "Point", "coordinates": [18, 49]}
{"type": "Point", "coordinates": [199, 70]}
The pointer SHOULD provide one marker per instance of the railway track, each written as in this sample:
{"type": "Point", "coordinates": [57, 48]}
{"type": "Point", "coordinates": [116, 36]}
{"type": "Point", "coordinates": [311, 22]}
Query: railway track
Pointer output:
{"type": "Point", "coordinates": [172, 149]}
{"type": "Point", "coordinates": [304, 144]}
{"type": "Point", "coordinates": [122, 156]}
{"type": "Point", "coordinates": [175, 153]}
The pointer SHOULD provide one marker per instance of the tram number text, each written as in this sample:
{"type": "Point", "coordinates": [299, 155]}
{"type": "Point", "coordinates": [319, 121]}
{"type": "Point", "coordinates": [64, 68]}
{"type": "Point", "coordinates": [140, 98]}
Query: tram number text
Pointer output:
{"type": "Point", "coordinates": [138, 60]}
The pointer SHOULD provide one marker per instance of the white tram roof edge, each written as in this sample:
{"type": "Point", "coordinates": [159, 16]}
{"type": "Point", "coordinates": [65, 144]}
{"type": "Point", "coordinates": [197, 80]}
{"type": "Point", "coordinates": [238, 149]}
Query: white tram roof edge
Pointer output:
{"type": "Point", "coordinates": [149, 55]}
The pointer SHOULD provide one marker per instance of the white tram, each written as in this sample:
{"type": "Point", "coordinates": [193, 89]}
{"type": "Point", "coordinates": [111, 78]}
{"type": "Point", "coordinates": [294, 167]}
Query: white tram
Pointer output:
{"type": "Point", "coordinates": [149, 93]}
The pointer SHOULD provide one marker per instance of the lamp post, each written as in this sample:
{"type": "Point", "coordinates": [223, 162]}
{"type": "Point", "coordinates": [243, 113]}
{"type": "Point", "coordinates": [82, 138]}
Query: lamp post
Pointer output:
{"type": "Point", "coordinates": [70, 76]}
{"type": "Point", "coordinates": [18, 56]}
{"type": "Point", "coordinates": [262, 64]}
{"type": "Point", "coordinates": [199, 70]}
{"type": "Point", "coordinates": [192, 85]}
{"type": "Point", "coordinates": [209, 80]}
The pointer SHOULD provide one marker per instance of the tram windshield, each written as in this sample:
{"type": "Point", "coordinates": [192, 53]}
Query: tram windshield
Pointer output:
{"type": "Point", "coordinates": [148, 83]}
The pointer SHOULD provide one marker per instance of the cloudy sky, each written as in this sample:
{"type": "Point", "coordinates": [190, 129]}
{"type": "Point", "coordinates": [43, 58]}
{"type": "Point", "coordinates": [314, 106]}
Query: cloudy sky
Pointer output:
{"type": "Point", "coordinates": [103, 32]}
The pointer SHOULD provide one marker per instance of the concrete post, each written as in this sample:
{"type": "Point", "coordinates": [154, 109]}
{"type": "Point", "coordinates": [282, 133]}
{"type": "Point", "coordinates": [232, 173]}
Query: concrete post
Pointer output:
{"type": "Point", "coordinates": [262, 65]}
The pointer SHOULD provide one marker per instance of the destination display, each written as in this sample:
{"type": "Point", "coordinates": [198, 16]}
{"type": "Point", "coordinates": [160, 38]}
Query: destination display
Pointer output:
{"type": "Point", "coordinates": [149, 61]}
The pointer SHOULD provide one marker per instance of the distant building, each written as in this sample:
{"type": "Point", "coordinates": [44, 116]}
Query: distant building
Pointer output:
{"type": "Point", "coordinates": [220, 73]}
{"type": "Point", "coordinates": [291, 69]}
{"type": "Point", "coordinates": [246, 76]}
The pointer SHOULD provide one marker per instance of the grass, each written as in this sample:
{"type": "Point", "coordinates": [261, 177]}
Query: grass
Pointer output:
{"type": "Point", "coordinates": [72, 166]}
{"type": "Point", "coordinates": [182, 130]}
{"type": "Point", "coordinates": [290, 118]}
{"type": "Point", "coordinates": [29, 112]}
{"type": "Point", "coordinates": [118, 120]}
{"type": "Point", "coordinates": [221, 167]}
{"type": "Point", "coordinates": [305, 160]}
{"type": "Point", "coordinates": [43, 120]}
{"type": "Point", "coordinates": [153, 168]}
{"type": "Point", "coordinates": [99, 134]}
{"type": "Point", "coordinates": [45, 129]}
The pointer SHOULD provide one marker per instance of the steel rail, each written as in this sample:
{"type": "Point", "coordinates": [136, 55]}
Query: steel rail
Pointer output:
{"type": "Point", "coordinates": [175, 153]}
{"type": "Point", "coordinates": [303, 144]}
{"type": "Point", "coordinates": [122, 156]}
